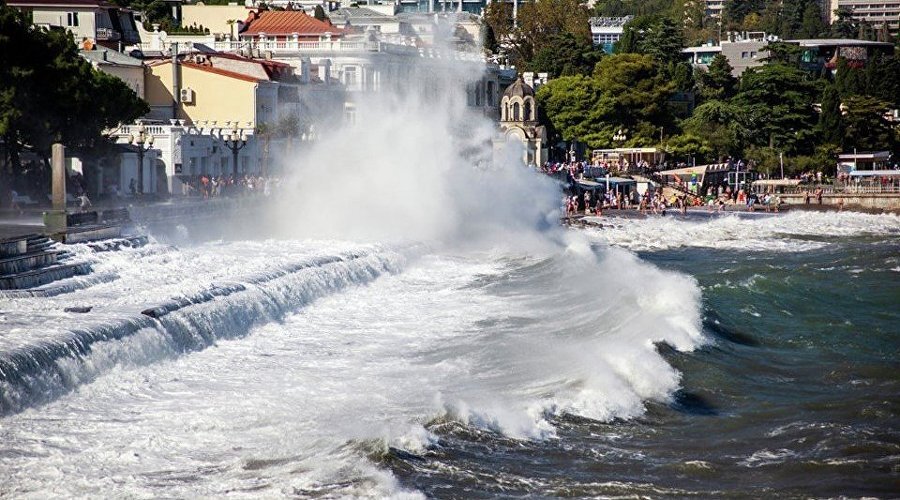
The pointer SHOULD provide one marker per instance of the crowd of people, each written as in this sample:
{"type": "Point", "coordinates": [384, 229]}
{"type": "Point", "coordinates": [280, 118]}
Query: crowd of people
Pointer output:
{"type": "Point", "coordinates": [581, 169]}
{"type": "Point", "coordinates": [212, 186]}
{"type": "Point", "coordinates": [652, 201]}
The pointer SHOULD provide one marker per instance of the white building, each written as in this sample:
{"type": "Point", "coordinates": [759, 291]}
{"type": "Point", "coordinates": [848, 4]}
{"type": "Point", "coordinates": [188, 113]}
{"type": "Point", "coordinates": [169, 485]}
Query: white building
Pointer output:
{"type": "Point", "coordinates": [94, 21]}
{"type": "Point", "coordinates": [876, 13]}
{"type": "Point", "coordinates": [128, 69]}
{"type": "Point", "coordinates": [606, 31]}
{"type": "Point", "coordinates": [743, 50]}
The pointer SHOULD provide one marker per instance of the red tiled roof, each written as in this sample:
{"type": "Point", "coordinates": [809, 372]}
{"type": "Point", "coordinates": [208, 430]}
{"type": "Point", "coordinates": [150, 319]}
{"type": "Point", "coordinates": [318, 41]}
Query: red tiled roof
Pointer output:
{"type": "Point", "coordinates": [287, 22]}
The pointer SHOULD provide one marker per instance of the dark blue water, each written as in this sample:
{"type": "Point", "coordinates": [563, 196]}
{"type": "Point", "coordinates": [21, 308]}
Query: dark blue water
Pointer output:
{"type": "Point", "coordinates": [797, 394]}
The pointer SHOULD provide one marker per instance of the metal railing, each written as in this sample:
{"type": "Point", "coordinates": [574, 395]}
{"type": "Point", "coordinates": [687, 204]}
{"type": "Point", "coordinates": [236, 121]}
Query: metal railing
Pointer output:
{"type": "Point", "coordinates": [296, 46]}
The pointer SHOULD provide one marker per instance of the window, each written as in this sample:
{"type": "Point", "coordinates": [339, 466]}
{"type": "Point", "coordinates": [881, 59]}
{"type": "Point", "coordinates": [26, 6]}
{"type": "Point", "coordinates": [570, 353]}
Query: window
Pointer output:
{"type": "Point", "coordinates": [745, 55]}
{"type": "Point", "coordinates": [528, 116]}
{"type": "Point", "coordinates": [490, 93]}
{"type": "Point", "coordinates": [515, 112]}
{"type": "Point", "coordinates": [73, 19]}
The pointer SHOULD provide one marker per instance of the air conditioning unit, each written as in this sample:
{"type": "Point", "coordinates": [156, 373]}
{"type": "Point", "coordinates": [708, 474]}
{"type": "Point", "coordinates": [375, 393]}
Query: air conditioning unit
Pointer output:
{"type": "Point", "coordinates": [187, 95]}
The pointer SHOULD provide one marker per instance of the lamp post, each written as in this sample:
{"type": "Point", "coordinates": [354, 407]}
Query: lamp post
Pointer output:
{"type": "Point", "coordinates": [140, 139]}
{"type": "Point", "coordinates": [235, 141]}
{"type": "Point", "coordinates": [620, 137]}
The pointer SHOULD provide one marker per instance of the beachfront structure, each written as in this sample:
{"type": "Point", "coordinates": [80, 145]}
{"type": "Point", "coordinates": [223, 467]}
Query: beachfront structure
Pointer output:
{"type": "Point", "coordinates": [92, 22]}
{"type": "Point", "coordinates": [866, 161]}
{"type": "Point", "coordinates": [876, 13]}
{"type": "Point", "coordinates": [617, 157]}
{"type": "Point", "coordinates": [606, 31]}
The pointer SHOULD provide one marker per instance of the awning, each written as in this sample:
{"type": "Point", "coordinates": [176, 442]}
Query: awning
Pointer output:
{"type": "Point", "coordinates": [698, 170]}
{"type": "Point", "coordinates": [777, 182]}
{"type": "Point", "coordinates": [875, 173]}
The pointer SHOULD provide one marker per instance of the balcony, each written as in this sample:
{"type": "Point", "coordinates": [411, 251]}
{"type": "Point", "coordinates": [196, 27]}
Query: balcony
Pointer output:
{"type": "Point", "coordinates": [107, 35]}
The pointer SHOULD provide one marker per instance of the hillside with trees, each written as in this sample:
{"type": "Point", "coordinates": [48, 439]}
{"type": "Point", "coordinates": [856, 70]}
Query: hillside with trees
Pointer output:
{"type": "Point", "coordinates": [648, 90]}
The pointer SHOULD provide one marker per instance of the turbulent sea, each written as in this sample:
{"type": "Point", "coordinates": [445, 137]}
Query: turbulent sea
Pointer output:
{"type": "Point", "coordinates": [660, 357]}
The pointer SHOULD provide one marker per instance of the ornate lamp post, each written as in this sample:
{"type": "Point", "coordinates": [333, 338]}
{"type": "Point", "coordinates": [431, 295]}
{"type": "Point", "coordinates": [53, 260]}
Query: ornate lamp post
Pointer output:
{"type": "Point", "coordinates": [235, 141]}
{"type": "Point", "coordinates": [620, 137]}
{"type": "Point", "coordinates": [140, 139]}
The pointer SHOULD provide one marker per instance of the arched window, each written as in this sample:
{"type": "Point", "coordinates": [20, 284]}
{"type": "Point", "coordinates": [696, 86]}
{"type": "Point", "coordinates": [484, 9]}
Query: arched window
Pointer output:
{"type": "Point", "coordinates": [515, 111]}
{"type": "Point", "coordinates": [528, 115]}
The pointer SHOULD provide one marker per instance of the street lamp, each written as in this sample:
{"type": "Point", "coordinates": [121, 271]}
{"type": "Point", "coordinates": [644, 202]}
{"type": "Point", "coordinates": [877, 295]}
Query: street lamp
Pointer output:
{"type": "Point", "coordinates": [235, 141]}
{"type": "Point", "coordinates": [140, 139]}
{"type": "Point", "coordinates": [620, 137]}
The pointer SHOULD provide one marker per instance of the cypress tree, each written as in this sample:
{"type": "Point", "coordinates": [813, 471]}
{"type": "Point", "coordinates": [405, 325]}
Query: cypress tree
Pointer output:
{"type": "Point", "coordinates": [812, 25]}
{"type": "Point", "coordinates": [830, 121]}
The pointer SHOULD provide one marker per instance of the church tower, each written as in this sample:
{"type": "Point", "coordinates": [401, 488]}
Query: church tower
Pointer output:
{"type": "Point", "coordinates": [518, 121]}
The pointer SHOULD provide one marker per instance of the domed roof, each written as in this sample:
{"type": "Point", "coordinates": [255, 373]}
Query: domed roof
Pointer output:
{"type": "Point", "coordinates": [519, 89]}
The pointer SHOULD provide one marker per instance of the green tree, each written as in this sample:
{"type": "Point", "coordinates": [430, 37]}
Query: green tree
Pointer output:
{"type": "Point", "coordinates": [770, 19]}
{"type": "Point", "coordinates": [717, 122]}
{"type": "Point", "coordinates": [634, 97]}
{"type": "Point", "coordinates": [319, 13]}
{"type": "Point", "coordinates": [48, 93]}
{"type": "Point", "coordinates": [566, 55]}
{"type": "Point", "coordinates": [867, 129]}
{"type": "Point", "coordinates": [883, 78]}
{"type": "Point", "coordinates": [775, 107]}
{"type": "Point", "coordinates": [849, 79]}
{"type": "Point", "coordinates": [791, 18]}
{"type": "Point", "coordinates": [736, 10]}
{"type": "Point", "coordinates": [686, 147]}
{"type": "Point", "coordinates": [568, 103]}
{"type": "Point", "coordinates": [662, 40]}
{"type": "Point", "coordinates": [812, 25]}
{"type": "Point", "coordinates": [845, 26]}
{"type": "Point", "coordinates": [488, 39]}
{"type": "Point", "coordinates": [717, 82]}
{"type": "Point", "coordinates": [831, 126]}
{"type": "Point", "coordinates": [537, 24]}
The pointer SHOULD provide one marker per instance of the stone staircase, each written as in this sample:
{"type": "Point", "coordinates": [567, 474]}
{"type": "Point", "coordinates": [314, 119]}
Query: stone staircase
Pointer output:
{"type": "Point", "coordinates": [33, 260]}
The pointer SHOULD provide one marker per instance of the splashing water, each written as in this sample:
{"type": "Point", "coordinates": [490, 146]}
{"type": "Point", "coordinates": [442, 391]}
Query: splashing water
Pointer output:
{"type": "Point", "coordinates": [258, 378]}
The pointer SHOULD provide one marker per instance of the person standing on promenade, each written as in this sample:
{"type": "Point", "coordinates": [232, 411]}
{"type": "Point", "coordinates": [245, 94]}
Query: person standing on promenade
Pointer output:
{"type": "Point", "coordinates": [819, 192]}
{"type": "Point", "coordinates": [83, 202]}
